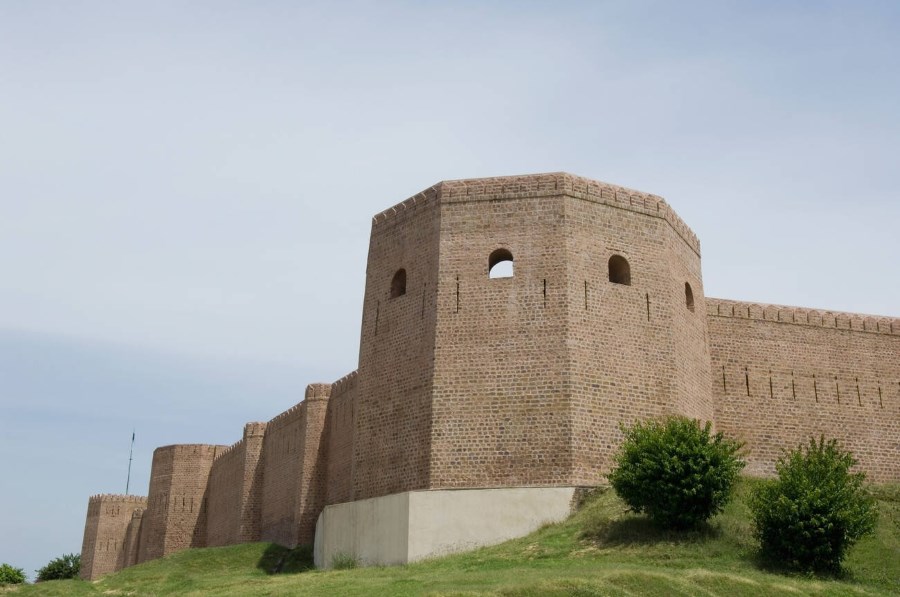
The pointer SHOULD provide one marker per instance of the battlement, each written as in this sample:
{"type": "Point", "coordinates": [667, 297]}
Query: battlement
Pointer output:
{"type": "Point", "coordinates": [255, 429]}
{"type": "Point", "coordinates": [117, 497]}
{"type": "Point", "coordinates": [229, 449]}
{"type": "Point", "coordinates": [855, 322]}
{"type": "Point", "coordinates": [545, 185]}
{"type": "Point", "coordinates": [318, 391]}
{"type": "Point", "coordinates": [190, 449]}
{"type": "Point", "coordinates": [344, 384]}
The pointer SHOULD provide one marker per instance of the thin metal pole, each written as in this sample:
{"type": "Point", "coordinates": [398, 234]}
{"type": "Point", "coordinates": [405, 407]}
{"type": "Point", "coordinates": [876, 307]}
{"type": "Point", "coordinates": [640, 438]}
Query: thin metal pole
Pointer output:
{"type": "Point", "coordinates": [130, 453]}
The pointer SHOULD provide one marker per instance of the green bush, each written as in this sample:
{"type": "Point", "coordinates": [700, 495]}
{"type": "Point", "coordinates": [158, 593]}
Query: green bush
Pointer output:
{"type": "Point", "coordinates": [676, 471]}
{"type": "Point", "coordinates": [815, 510]}
{"type": "Point", "coordinates": [66, 566]}
{"type": "Point", "coordinates": [10, 575]}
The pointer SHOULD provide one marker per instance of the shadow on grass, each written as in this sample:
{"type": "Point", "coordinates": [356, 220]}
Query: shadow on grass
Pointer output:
{"type": "Point", "coordinates": [638, 530]}
{"type": "Point", "coordinates": [278, 559]}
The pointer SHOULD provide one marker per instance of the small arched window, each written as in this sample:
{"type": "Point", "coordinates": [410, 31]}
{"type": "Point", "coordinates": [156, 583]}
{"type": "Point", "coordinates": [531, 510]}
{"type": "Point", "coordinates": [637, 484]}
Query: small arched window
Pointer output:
{"type": "Point", "coordinates": [398, 283]}
{"type": "Point", "coordinates": [500, 264]}
{"type": "Point", "coordinates": [688, 296]}
{"type": "Point", "coordinates": [619, 270]}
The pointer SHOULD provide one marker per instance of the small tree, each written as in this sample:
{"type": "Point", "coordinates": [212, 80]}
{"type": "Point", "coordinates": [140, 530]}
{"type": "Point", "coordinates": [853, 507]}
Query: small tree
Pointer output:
{"type": "Point", "coordinates": [676, 471]}
{"type": "Point", "coordinates": [10, 575]}
{"type": "Point", "coordinates": [66, 566]}
{"type": "Point", "coordinates": [815, 510]}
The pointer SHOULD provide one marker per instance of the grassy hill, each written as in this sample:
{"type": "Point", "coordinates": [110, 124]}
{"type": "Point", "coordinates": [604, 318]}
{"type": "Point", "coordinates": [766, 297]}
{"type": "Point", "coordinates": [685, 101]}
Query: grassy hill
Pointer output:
{"type": "Point", "coordinates": [601, 550]}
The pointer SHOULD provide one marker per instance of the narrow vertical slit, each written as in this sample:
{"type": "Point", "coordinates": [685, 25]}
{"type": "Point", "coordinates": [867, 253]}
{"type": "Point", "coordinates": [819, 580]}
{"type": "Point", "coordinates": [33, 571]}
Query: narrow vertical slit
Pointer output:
{"type": "Point", "coordinates": [585, 295]}
{"type": "Point", "coordinates": [815, 388]}
{"type": "Point", "coordinates": [545, 292]}
{"type": "Point", "coordinates": [724, 386]}
{"type": "Point", "coordinates": [377, 313]}
{"type": "Point", "coordinates": [793, 387]}
{"type": "Point", "coordinates": [747, 379]}
{"type": "Point", "coordinates": [858, 395]}
{"type": "Point", "coordinates": [880, 403]}
{"type": "Point", "coordinates": [648, 306]}
{"type": "Point", "coordinates": [771, 392]}
{"type": "Point", "coordinates": [457, 294]}
{"type": "Point", "coordinates": [837, 388]}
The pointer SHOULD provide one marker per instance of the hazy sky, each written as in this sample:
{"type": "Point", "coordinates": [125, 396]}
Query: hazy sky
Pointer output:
{"type": "Point", "coordinates": [186, 189]}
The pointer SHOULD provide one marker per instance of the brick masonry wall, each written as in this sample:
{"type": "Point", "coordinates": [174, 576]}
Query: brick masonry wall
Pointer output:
{"type": "Point", "coordinates": [235, 487]}
{"type": "Point", "coordinates": [132, 539]}
{"type": "Point", "coordinates": [501, 396]}
{"type": "Point", "coordinates": [175, 517]}
{"type": "Point", "coordinates": [105, 547]}
{"type": "Point", "coordinates": [783, 374]}
{"type": "Point", "coordinates": [293, 470]}
{"type": "Point", "coordinates": [339, 437]}
{"type": "Point", "coordinates": [281, 463]}
{"type": "Point", "coordinates": [392, 419]}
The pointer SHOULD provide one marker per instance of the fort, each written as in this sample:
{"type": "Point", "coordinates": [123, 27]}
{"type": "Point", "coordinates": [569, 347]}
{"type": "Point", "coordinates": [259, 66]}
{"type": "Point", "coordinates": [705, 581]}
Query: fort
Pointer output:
{"type": "Point", "coordinates": [482, 404]}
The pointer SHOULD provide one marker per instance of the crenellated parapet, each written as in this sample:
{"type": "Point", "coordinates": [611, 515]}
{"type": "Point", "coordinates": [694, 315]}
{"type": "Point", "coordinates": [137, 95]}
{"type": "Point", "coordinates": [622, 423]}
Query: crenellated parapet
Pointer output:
{"type": "Point", "coordinates": [838, 320]}
{"type": "Point", "coordinates": [544, 185]}
{"type": "Point", "coordinates": [111, 528]}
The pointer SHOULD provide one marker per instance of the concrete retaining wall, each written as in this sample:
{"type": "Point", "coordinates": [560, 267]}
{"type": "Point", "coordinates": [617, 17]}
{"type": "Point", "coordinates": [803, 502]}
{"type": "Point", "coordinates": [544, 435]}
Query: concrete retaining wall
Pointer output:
{"type": "Point", "coordinates": [415, 525]}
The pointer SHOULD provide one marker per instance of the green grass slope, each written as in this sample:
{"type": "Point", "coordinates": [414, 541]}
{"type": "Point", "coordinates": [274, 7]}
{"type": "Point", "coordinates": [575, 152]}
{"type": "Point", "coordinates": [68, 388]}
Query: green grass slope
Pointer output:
{"type": "Point", "coordinates": [601, 550]}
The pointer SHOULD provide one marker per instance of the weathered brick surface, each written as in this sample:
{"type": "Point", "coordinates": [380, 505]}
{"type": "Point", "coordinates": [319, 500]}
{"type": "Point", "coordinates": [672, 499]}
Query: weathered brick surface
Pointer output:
{"type": "Point", "coordinates": [468, 381]}
{"type": "Point", "coordinates": [175, 517]}
{"type": "Point", "coordinates": [109, 534]}
{"type": "Point", "coordinates": [339, 437]}
{"type": "Point", "coordinates": [235, 488]}
{"type": "Point", "coordinates": [782, 374]}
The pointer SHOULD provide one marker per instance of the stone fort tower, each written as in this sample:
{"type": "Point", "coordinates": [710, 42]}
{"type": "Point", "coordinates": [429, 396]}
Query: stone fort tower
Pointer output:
{"type": "Point", "coordinates": [482, 403]}
{"type": "Point", "coordinates": [473, 381]}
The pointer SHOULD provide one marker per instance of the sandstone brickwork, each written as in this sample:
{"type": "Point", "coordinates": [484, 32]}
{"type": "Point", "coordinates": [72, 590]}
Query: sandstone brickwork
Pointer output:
{"type": "Point", "coordinates": [471, 381]}
{"type": "Point", "coordinates": [109, 535]}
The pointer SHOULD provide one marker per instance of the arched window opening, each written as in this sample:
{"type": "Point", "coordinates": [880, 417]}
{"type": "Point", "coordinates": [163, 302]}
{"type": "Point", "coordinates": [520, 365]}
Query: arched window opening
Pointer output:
{"type": "Point", "coordinates": [398, 283]}
{"type": "Point", "coordinates": [619, 270]}
{"type": "Point", "coordinates": [500, 264]}
{"type": "Point", "coordinates": [688, 296]}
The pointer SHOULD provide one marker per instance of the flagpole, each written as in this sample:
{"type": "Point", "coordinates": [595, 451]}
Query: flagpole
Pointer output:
{"type": "Point", "coordinates": [130, 453]}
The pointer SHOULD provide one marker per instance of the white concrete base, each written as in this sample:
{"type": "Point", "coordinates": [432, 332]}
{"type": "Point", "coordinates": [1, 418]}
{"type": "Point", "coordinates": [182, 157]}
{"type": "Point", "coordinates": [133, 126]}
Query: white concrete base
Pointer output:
{"type": "Point", "coordinates": [411, 526]}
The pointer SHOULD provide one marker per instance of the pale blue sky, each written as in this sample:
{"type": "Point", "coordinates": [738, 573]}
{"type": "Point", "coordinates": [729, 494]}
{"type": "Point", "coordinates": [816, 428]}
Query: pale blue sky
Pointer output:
{"type": "Point", "coordinates": [186, 189]}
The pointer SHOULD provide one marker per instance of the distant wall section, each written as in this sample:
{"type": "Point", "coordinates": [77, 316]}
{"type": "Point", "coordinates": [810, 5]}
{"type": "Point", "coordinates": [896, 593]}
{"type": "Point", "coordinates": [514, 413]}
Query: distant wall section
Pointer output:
{"type": "Point", "coordinates": [109, 534]}
{"type": "Point", "coordinates": [783, 374]}
{"type": "Point", "coordinates": [235, 487]}
{"type": "Point", "coordinates": [175, 518]}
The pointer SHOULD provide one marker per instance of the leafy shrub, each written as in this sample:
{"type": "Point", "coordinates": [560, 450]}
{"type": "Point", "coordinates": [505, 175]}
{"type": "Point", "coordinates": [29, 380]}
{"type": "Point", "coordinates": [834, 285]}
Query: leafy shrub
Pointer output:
{"type": "Point", "coordinates": [10, 575]}
{"type": "Point", "coordinates": [676, 471]}
{"type": "Point", "coordinates": [815, 510]}
{"type": "Point", "coordinates": [66, 566]}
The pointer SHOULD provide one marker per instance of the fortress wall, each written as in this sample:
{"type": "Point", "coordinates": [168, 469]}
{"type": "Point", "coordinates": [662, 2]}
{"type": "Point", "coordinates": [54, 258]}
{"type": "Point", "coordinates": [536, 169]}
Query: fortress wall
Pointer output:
{"type": "Point", "coordinates": [783, 374]}
{"type": "Point", "coordinates": [339, 438]}
{"type": "Point", "coordinates": [311, 498]}
{"type": "Point", "coordinates": [500, 361]}
{"type": "Point", "coordinates": [235, 485]}
{"type": "Point", "coordinates": [226, 484]}
{"type": "Point", "coordinates": [291, 480]}
{"type": "Point", "coordinates": [393, 406]}
{"type": "Point", "coordinates": [689, 330]}
{"type": "Point", "coordinates": [133, 538]}
{"type": "Point", "coordinates": [621, 337]}
{"type": "Point", "coordinates": [104, 548]}
{"type": "Point", "coordinates": [281, 462]}
{"type": "Point", "coordinates": [175, 517]}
